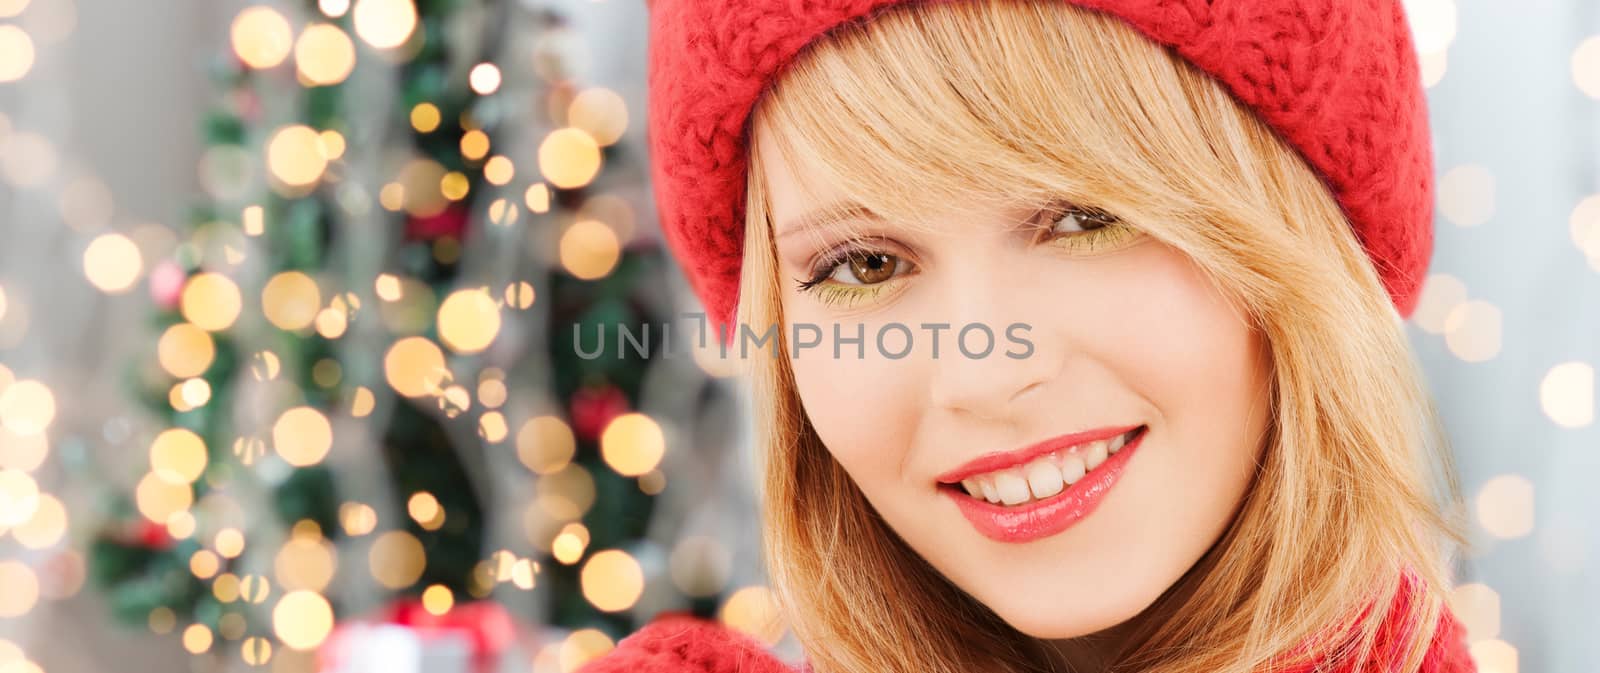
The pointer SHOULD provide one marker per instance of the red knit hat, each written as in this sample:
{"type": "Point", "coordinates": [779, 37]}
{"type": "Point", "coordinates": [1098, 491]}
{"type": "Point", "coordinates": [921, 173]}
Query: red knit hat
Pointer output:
{"type": "Point", "coordinates": [1337, 79]}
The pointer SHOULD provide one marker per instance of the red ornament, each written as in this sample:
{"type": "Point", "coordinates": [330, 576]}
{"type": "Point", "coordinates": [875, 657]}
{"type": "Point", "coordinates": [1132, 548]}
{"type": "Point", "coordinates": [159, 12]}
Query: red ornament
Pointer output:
{"type": "Point", "coordinates": [451, 222]}
{"type": "Point", "coordinates": [593, 407]}
{"type": "Point", "coordinates": [144, 533]}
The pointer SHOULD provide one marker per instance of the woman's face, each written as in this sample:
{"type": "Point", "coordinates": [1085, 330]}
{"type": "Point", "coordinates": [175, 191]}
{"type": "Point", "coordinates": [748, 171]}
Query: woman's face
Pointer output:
{"type": "Point", "coordinates": [1125, 333]}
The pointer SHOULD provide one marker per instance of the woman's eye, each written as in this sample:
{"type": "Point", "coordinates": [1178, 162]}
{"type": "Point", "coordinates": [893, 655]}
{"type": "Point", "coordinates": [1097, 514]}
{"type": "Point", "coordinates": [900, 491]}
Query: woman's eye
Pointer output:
{"type": "Point", "coordinates": [1074, 219]}
{"type": "Point", "coordinates": [1088, 231]}
{"type": "Point", "coordinates": [854, 275]}
{"type": "Point", "coordinates": [867, 268]}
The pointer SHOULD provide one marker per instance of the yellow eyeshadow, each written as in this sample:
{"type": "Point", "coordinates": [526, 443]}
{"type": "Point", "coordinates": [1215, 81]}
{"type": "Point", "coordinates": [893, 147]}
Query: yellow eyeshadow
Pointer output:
{"type": "Point", "coordinates": [840, 294]}
{"type": "Point", "coordinates": [1103, 239]}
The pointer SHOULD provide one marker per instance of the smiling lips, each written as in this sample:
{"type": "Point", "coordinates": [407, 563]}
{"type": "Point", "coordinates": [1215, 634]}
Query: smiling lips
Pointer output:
{"type": "Point", "coordinates": [1042, 489]}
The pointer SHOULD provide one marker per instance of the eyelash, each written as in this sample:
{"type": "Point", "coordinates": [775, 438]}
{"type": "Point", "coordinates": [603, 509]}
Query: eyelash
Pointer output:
{"type": "Point", "coordinates": [1113, 229]}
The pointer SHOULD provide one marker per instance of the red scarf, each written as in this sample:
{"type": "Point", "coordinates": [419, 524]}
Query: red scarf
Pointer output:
{"type": "Point", "coordinates": [676, 642]}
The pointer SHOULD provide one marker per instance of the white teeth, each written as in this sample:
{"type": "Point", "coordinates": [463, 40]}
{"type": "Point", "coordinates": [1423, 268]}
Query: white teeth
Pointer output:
{"type": "Point", "coordinates": [972, 487]}
{"type": "Point", "coordinates": [1011, 487]}
{"type": "Point", "coordinates": [1095, 455]}
{"type": "Point", "coordinates": [1044, 479]}
{"type": "Point", "coordinates": [1072, 469]}
{"type": "Point", "coordinates": [1045, 476]}
{"type": "Point", "coordinates": [988, 491]}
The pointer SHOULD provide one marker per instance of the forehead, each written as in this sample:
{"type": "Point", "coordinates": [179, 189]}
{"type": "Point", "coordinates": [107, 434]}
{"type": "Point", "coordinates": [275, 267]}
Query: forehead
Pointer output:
{"type": "Point", "coordinates": [790, 178]}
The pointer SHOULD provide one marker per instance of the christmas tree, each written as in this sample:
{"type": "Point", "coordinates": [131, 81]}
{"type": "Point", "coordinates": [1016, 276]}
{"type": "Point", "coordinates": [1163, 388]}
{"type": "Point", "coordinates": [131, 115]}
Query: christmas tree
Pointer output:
{"type": "Point", "coordinates": [373, 398]}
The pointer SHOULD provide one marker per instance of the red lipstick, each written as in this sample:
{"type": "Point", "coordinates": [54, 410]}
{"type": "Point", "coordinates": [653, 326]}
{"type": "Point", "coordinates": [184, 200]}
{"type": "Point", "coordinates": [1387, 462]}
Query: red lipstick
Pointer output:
{"type": "Point", "coordinates": [1047, 516]}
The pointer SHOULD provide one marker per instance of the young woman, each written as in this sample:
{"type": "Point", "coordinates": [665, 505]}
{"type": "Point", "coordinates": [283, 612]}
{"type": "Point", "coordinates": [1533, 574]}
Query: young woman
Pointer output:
{"type": "Point", "coordinates": [1194, 438]}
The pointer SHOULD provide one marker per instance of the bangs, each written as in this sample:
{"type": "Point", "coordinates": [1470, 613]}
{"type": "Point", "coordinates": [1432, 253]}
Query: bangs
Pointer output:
{"type": "Point", "coordinates": [953, 107]}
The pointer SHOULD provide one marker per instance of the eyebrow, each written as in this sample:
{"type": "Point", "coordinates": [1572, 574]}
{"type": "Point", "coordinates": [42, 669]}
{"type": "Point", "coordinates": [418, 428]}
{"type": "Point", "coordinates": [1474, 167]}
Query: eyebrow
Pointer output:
{"type": "Point", "coordinates": [827, 216]}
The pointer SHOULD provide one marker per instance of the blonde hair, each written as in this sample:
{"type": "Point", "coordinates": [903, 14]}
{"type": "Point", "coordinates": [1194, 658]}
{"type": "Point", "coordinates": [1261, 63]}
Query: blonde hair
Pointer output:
{"type": "Point", "coordinates": [1006, 102]}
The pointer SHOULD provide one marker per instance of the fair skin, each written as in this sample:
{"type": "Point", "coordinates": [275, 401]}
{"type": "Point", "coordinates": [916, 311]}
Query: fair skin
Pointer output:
{"type": "Point", "coordinates": [1125, 332]}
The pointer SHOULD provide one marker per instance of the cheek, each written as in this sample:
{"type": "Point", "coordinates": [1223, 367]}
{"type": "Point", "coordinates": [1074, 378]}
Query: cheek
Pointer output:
{"type": "Point", "coordinates": [863, 409]}
{"type": "Point", "coordinates": [1180, 343]}
{"type": "Point", "coordinates": [1181, 347]}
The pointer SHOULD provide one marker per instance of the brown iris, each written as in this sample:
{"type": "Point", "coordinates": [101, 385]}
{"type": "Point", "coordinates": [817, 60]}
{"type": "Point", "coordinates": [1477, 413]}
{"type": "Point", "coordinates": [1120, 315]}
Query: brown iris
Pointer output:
{"type": "Point", "coordinates": [873, 268]}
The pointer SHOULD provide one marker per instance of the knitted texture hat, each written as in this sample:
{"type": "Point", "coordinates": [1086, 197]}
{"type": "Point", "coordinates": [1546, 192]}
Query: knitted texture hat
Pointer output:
{"type": "Point", "coordinates": [1337, 79]}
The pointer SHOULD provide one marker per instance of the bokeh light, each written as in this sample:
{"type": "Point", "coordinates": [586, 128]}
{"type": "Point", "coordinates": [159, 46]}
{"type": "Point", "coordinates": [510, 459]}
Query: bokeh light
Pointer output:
{"type": "Point", "coordinates": [261, 37]}
{"type": "Point", "coordinates": [425, 117]}
{"type": "Point", "coordinates": [112, 263]}
{"type": "Point", "coordinates": [1567, 394]}
{"type": "Point", "coordinates": [396, 559]}
{"type": "Point", "coordinates": [632, 444]}
{"type": "Point", "coordinates": [601, 113]}
{"type": "Point", "coordinates": [545, 444]}
{"type": "Point", "coordinates": [1505, 506]}
{"type": "Point", "coordinates": [537, 197]}
{"type": "Point", "coordinates": [1442, 293]}
{"type": "Point", "coordinates": [291, 300]}
{"type": "Point", "coordinates": [178, 455]}
{"type": "Point", "coordinates": [256, 651]}
{"type": "Point", "coordinates": [229, 542]}
{"type": "Point", "coordinates": [1586, 67]}
{"type": "Point", "coordinates": [1584, 226]}
{"type": "Point", "coordinates": [499, 170]}
{"type": "Point", "coordinates": [568, 545]}
{"type": "Point", "coordinates": [333, 9]}
{"type": "Point", "coordinates": [305, 563]}
{"type": "Point", "coordinates": [1477, 607]}
{"type": "Point", "coordinates": [469, 320]}
{"type": "Point", "coordinates": [484, 78]}
{"type": "Point", "coordinates": [612, 580]}
{"type": "Point", "coordinates": [295, 155]}
{"type": "Point", "coordinates": [425, 510]}
{"type": "Point", "coordinates": [385, 24]}
{"type": "Point", "coordinates": [197, 638]}
{"type": "Point", "coordinates": [158, 499]}
{"type": "Point", "coordinates": [21, 452]}
{"type": "Point", "coordinates": [475, 144]}
{"type": "Point", "coordinates": [21, 588]}
{"type": "Point", "coordinates": [1433, 24]}
{"type": "Point", "coordinates": [19, 497]}
{"type": "Point", "coordinates": [569, 158]}
{"type": "Point", "coordinates": [204, 563]}
{"type": "Point", "coordinates": [211, 301]}
{"type": "Point", "coordinates": [27, 407]}
{"type": "Point", "coordinates": [47, 525]}
{"type": "Point", "coordinates": [302, 619]}
{"type": "Point", "coordinates": [437, 599]}
{"type": "Point", "coordinates": [414, 367]}
{"type": "Point", "coordinates": [583, 646]}
{"type": "Point", "coordinates": [1494, 656]}
{"type": "Point", "coordinates": [185, 350]}
{"type": "Point", "coordinates": [324, 54]}
{"type": "Point", "coordinates": [302, 436]}
{"type": "Point", "coordinates": [357, 518]}
{"type": "Point", "coordinates": [589, 249]}
{"type": "Point", "coordinates": [753, 610]}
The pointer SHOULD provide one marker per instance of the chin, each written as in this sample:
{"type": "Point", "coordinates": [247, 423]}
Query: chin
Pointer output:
{"type": "Point", "coordinates": [1052, 616]}
{"type": "Point", "coordinates": [1058, 625]}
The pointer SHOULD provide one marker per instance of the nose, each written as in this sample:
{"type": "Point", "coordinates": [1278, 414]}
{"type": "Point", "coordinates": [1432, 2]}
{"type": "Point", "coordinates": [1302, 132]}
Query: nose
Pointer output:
{"type": "Point", "coordinates": [1010, 381]}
